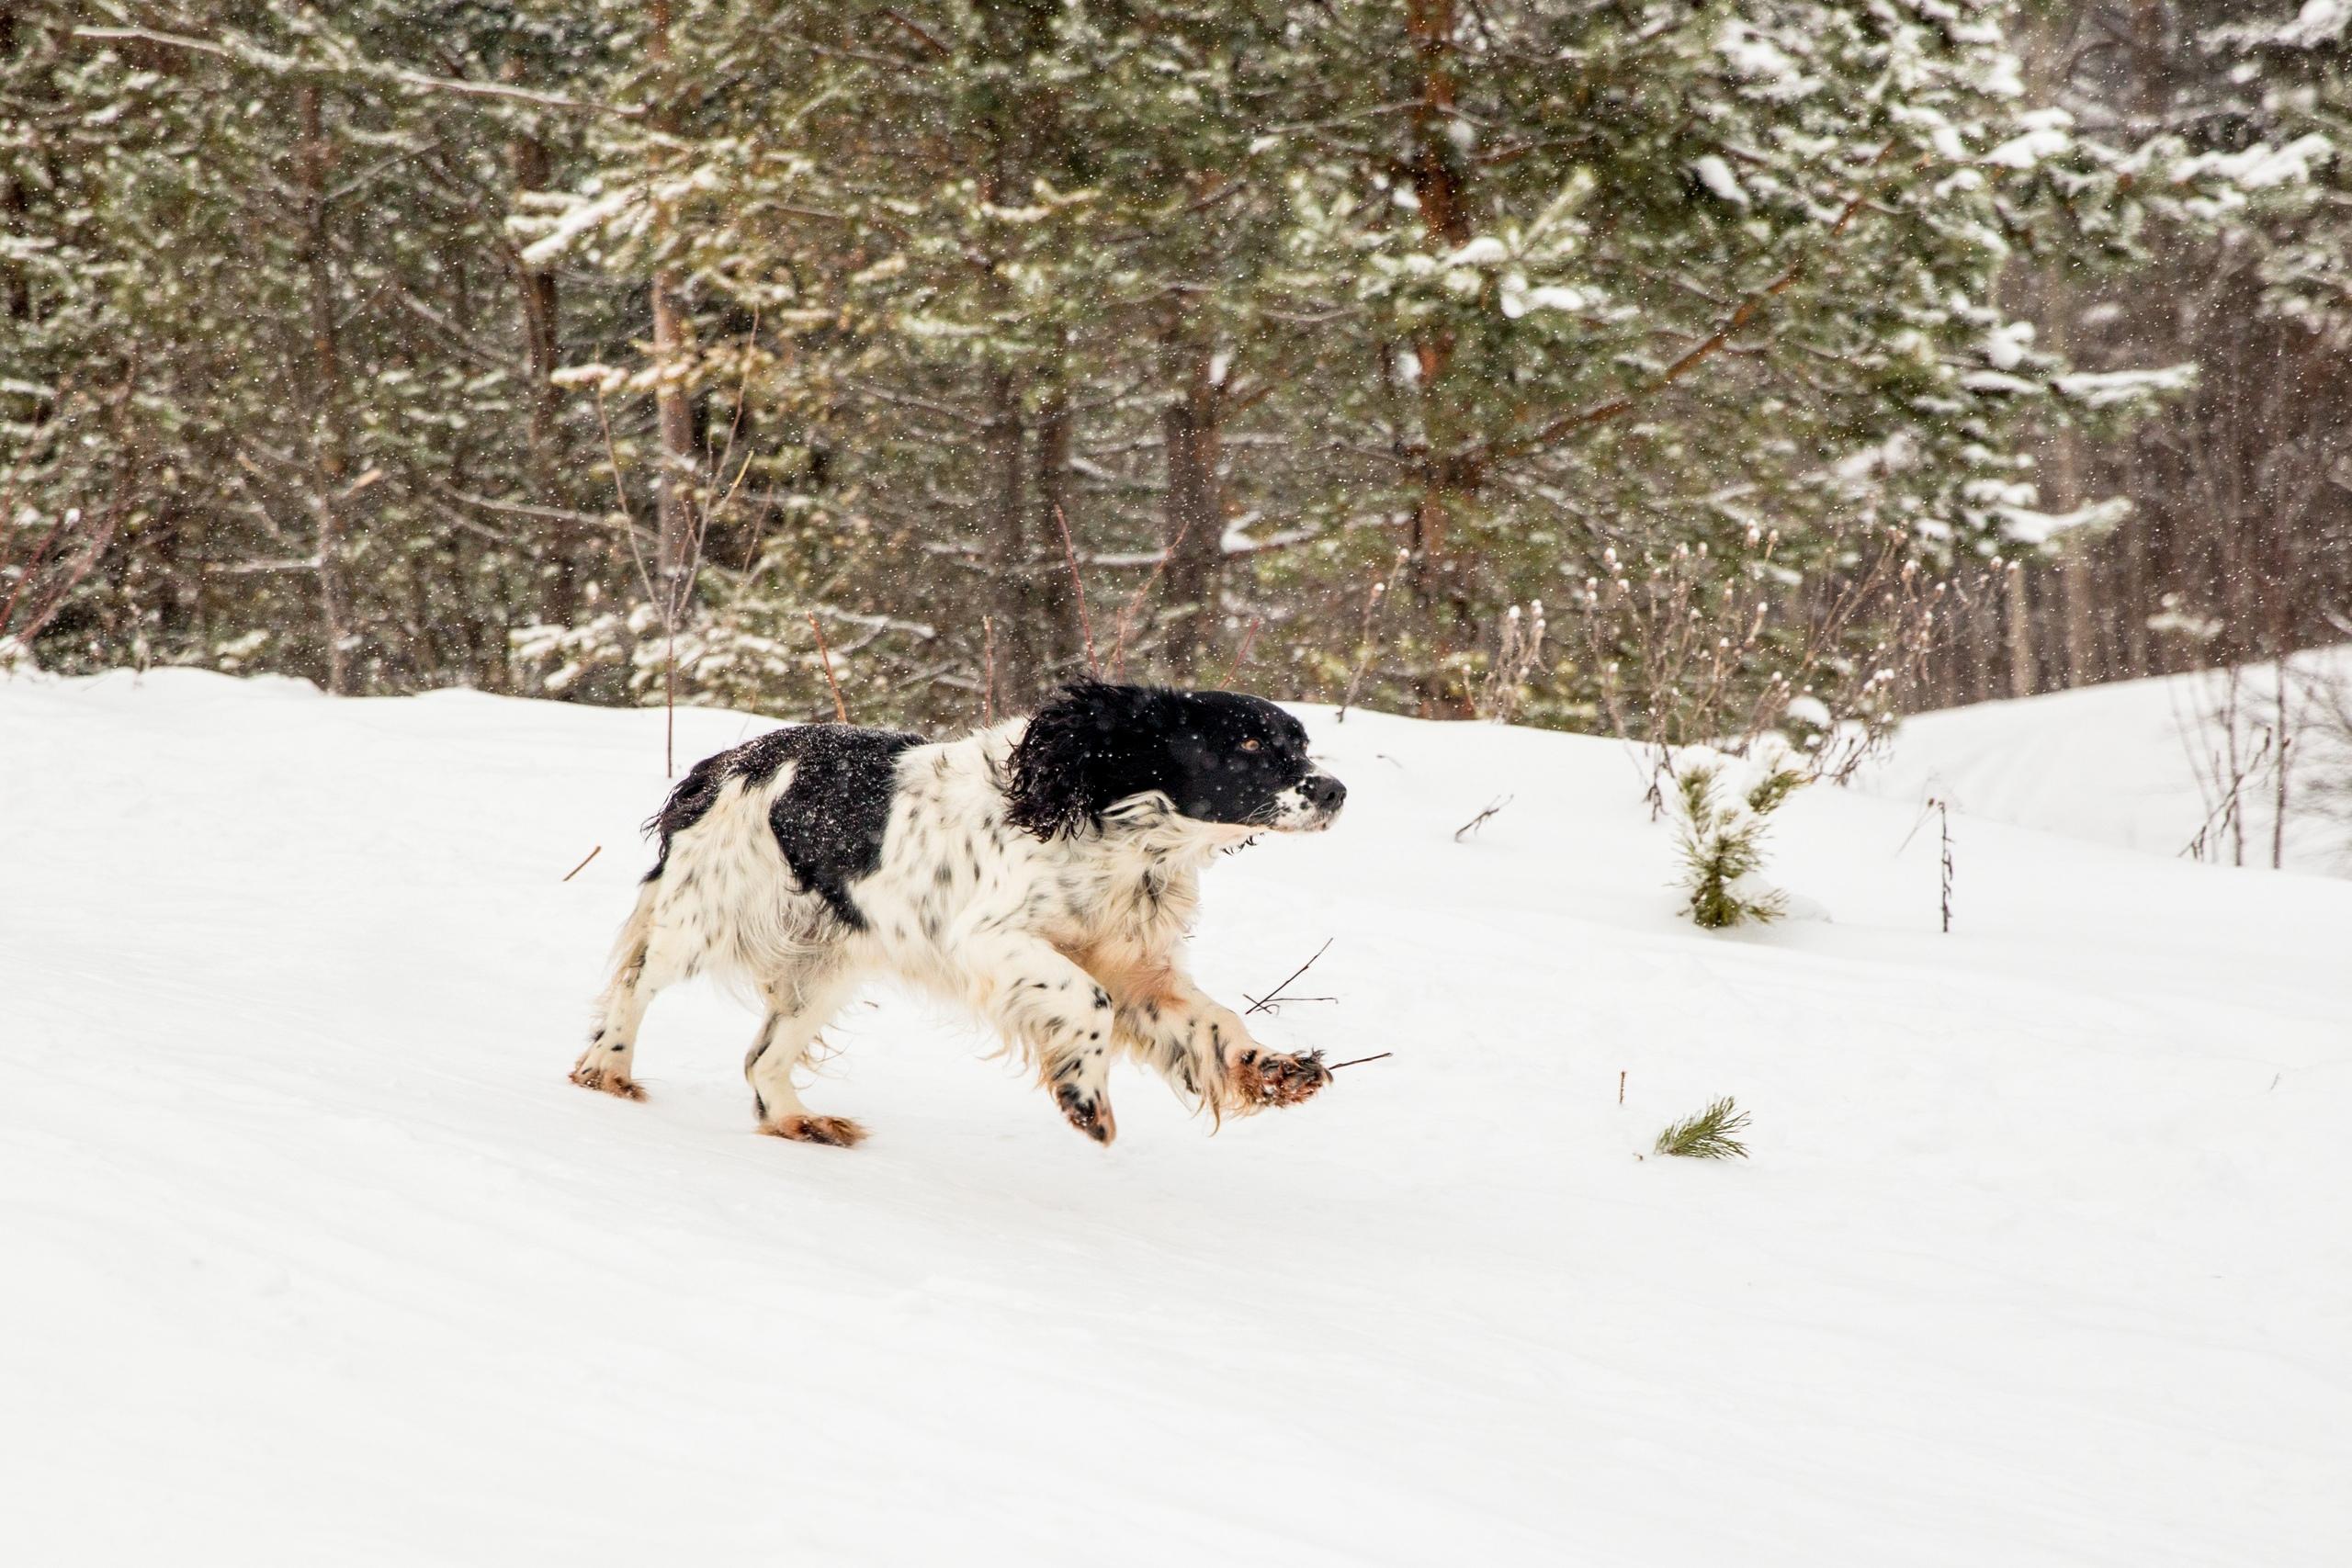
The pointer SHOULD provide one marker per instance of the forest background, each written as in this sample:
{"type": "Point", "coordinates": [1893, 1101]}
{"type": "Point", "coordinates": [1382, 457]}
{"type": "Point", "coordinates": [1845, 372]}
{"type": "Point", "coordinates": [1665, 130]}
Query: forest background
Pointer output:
{"type": "Point", "coordinates": [1679, 367]}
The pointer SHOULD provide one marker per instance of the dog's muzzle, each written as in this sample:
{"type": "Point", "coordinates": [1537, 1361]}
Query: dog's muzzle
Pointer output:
{"type": "Point", "coordinates": [1310, 805]}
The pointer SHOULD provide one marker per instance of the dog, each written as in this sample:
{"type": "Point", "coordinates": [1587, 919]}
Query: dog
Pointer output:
{"type": "Point", "coordinates": [1043, 872]}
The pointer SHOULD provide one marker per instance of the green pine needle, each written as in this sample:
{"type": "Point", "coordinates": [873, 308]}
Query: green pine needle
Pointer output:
{"type": "Point", "coordinates": [1708, 1135]}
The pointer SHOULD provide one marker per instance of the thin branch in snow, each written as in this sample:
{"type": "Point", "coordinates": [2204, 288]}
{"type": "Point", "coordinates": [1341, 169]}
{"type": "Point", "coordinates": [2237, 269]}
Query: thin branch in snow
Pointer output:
{"type": "Point", "coordinates": [1480, 820]}
{"type": "Point", "coordinates": [1274, 998]}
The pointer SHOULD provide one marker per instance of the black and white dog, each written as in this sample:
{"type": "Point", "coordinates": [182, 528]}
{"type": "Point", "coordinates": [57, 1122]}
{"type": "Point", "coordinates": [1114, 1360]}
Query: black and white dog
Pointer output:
{"type": "Point", "coordinates": [1043, 872]}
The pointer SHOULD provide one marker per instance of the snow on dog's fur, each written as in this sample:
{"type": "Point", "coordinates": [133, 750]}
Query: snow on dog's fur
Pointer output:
{"type": "Point", "coordinates": [1043, 872]}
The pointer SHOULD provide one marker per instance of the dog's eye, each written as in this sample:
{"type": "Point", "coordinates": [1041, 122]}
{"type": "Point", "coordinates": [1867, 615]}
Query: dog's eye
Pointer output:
{"type": "Point", "coordinates": [1250, 746]}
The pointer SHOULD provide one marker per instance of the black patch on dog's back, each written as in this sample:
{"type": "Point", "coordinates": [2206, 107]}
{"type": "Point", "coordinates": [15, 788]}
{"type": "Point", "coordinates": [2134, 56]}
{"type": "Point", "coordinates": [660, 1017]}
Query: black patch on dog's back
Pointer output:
{"type": "Point", "coordinates": [831, 819]}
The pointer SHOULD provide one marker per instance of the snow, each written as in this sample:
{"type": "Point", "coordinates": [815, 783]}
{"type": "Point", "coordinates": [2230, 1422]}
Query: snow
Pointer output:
{"type": "Point", "coordinates": [1519, 298]}
{"type": "Point", "coordinates": [2120, 388]}
{"type": "Point", "coordinates": [2026, 526]}
{"type": "Point", "coordinates": [2319, 22]}
{"type": "Point", "coordinates": [314, 1257]}
{"type": "Point", "coordinates": [2140, 763]}
{"type": "Point", "coordinates": [1716, 176]}
{"type": "Point", "coordinates": [2259, 167]}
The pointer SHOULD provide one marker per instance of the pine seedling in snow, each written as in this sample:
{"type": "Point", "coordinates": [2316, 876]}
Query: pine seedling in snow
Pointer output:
{"type": "Point", "coordinates": [1721, 807]}
{"type": "Point", "coordinates": [1711, 1134]}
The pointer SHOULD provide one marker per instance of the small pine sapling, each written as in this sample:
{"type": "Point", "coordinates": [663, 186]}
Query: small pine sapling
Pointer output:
{"type": "Point", "coordinates": [1722, 808]}
{"type": "Point", "coordinates": [1711, 1134]}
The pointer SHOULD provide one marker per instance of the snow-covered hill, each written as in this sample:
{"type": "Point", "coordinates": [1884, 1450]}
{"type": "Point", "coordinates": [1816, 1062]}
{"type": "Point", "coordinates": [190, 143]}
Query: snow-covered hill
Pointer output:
{"type": "Point", "coordinates": [314, 1257]}
{"type": "Point", "coordinates": [2146, 763]}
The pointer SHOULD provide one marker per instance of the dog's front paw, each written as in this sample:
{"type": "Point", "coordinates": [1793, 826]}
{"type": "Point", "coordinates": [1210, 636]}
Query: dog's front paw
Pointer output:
{"type": "Point", "coordinates": [1089, 1111]}
{"type": "Point", "coordinates": [608, 1080]}
{"type": "Point", "coordinates": [835, 1131]}
{"type": "Point", "coordinates": [1263, 1078]}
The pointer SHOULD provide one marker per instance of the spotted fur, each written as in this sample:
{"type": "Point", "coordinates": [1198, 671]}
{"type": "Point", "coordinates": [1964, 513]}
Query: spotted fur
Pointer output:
{"type": "Point", "coordinates": [1043, 873]}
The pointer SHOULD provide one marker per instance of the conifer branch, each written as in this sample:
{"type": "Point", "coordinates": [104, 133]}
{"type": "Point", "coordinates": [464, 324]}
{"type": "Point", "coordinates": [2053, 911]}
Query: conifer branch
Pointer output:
{"type": "Point", "coordinates": [254, 57]}
{"type": "Point", "coordinates": [1711, 1134]}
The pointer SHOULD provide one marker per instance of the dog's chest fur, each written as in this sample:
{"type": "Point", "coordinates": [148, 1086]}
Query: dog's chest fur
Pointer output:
{"type": "Point", "coordinates": [952, 868]}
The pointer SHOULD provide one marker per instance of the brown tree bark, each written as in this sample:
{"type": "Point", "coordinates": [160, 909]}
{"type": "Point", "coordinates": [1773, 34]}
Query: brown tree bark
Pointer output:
{"type": "Point", "coordinates": [312, 159]}
{"type": "Point", "coordinates": [1054, 593]}
{"type": "Point", "coordinates": [1006, 527]}
{"type": "Point", "coordinates": [1192, 523]}
{"type": "Point", "coordinates": [1447, 487]}
{"type": "Point", "coordinates": [2024, 672]}
{"type": "Point", "coordinates": [16, 211]}
{"type": "Point", "coordinates": [678, 546]}
{"type": "Point", "coordinates": [531, 169]}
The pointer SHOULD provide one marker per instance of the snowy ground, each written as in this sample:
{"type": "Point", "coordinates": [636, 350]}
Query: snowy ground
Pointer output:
{"type": "Point", "coordinates": [314, 1257]}
{"type": "Point", "coordinates": [2146, 763]}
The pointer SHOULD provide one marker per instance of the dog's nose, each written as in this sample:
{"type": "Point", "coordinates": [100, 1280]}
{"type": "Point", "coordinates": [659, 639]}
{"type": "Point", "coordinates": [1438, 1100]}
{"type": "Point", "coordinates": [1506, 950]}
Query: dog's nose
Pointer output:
{"type": "Point", "coordinates": [1325, 793]}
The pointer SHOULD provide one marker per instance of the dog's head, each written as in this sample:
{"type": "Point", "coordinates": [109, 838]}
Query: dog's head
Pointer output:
{"type": "Point", "coordinates": [1217, 757]}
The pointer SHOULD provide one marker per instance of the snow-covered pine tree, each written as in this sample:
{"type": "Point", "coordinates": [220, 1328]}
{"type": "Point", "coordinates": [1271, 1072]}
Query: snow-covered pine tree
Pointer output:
{"type": "Point", "coordinates": [1625, 276]}
{"type": "Point", "coordinates": [879, 296]}
{"type": "Point", "coordinates": [1721, 807]}
{"type": "Point", "coordinates": [287, 237]}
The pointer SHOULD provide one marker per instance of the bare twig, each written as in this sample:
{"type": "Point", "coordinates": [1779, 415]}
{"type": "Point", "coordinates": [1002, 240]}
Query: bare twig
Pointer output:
{"type": "Point", "coordinates": [1365, 647]}
{"type": "Point", "coordinates": [1358, 1061]}
{"type": "Point", "coordinates": [924, 36]}
{"type": "Point", "coordinates": [1135, 602]}
{"type": "Point", "coordinates": [1274, 998]}
{"type": "Point", "coordinates": [825, 658]}
{"type": "Point", "coordinates": [1078, 584]}
{"type": "Point", "coordinates": [1479, 821]}
{"type": "Point", "coordinates": [576, 870]}
{"type": "Point", "coordinates": [1944, 817]}
{"type": "Point", "coordinates": [1241, 655]}
{"type": "Point", "coordinates": [987, 660]}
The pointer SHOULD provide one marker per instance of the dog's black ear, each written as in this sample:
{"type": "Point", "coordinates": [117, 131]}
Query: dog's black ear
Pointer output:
{"type": "Point", "coordinates": [1073, 760]}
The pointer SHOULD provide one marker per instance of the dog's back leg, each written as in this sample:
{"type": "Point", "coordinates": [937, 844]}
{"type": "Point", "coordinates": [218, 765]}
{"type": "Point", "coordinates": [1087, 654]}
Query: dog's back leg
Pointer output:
{"type": "Point", "coordinates": [800, 1004]}
{"type": "Point", "coordinates": [648, 956]}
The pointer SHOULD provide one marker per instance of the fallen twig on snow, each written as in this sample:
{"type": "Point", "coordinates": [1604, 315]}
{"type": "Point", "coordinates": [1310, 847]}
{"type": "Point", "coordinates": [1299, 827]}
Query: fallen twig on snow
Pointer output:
{"type": "Point", "coordinates": [576, 870]}
{"type": "Point", "coordinates": [1480, 820]}
{"type": "Point", "coordinates": [1274, 998]}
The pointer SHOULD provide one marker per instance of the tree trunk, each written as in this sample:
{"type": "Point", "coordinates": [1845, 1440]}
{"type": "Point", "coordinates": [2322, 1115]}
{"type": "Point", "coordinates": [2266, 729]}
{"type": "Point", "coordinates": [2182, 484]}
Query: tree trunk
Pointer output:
{"type": "Point", "coordinates": [1054, 593]}
{"type": "Point", "coordinates": [2082, 638]}
{"type": "Point", "coordinates": [1193, 523]}
{"type": "Point", "coordinates": [2024, 678]}
{"type": "Point", "coordinates": [1447, 487]}
{"type": "Point", "coordinates": [1983, 638]}
{"type": "Point", "coordinates": [1006, 542]}
{"type": "Point", "coordinates": [531, 169]}
{"type": "Point", "coordinates": [311, 160]}
{"type": "Point", "coordinates": [678, 550]}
